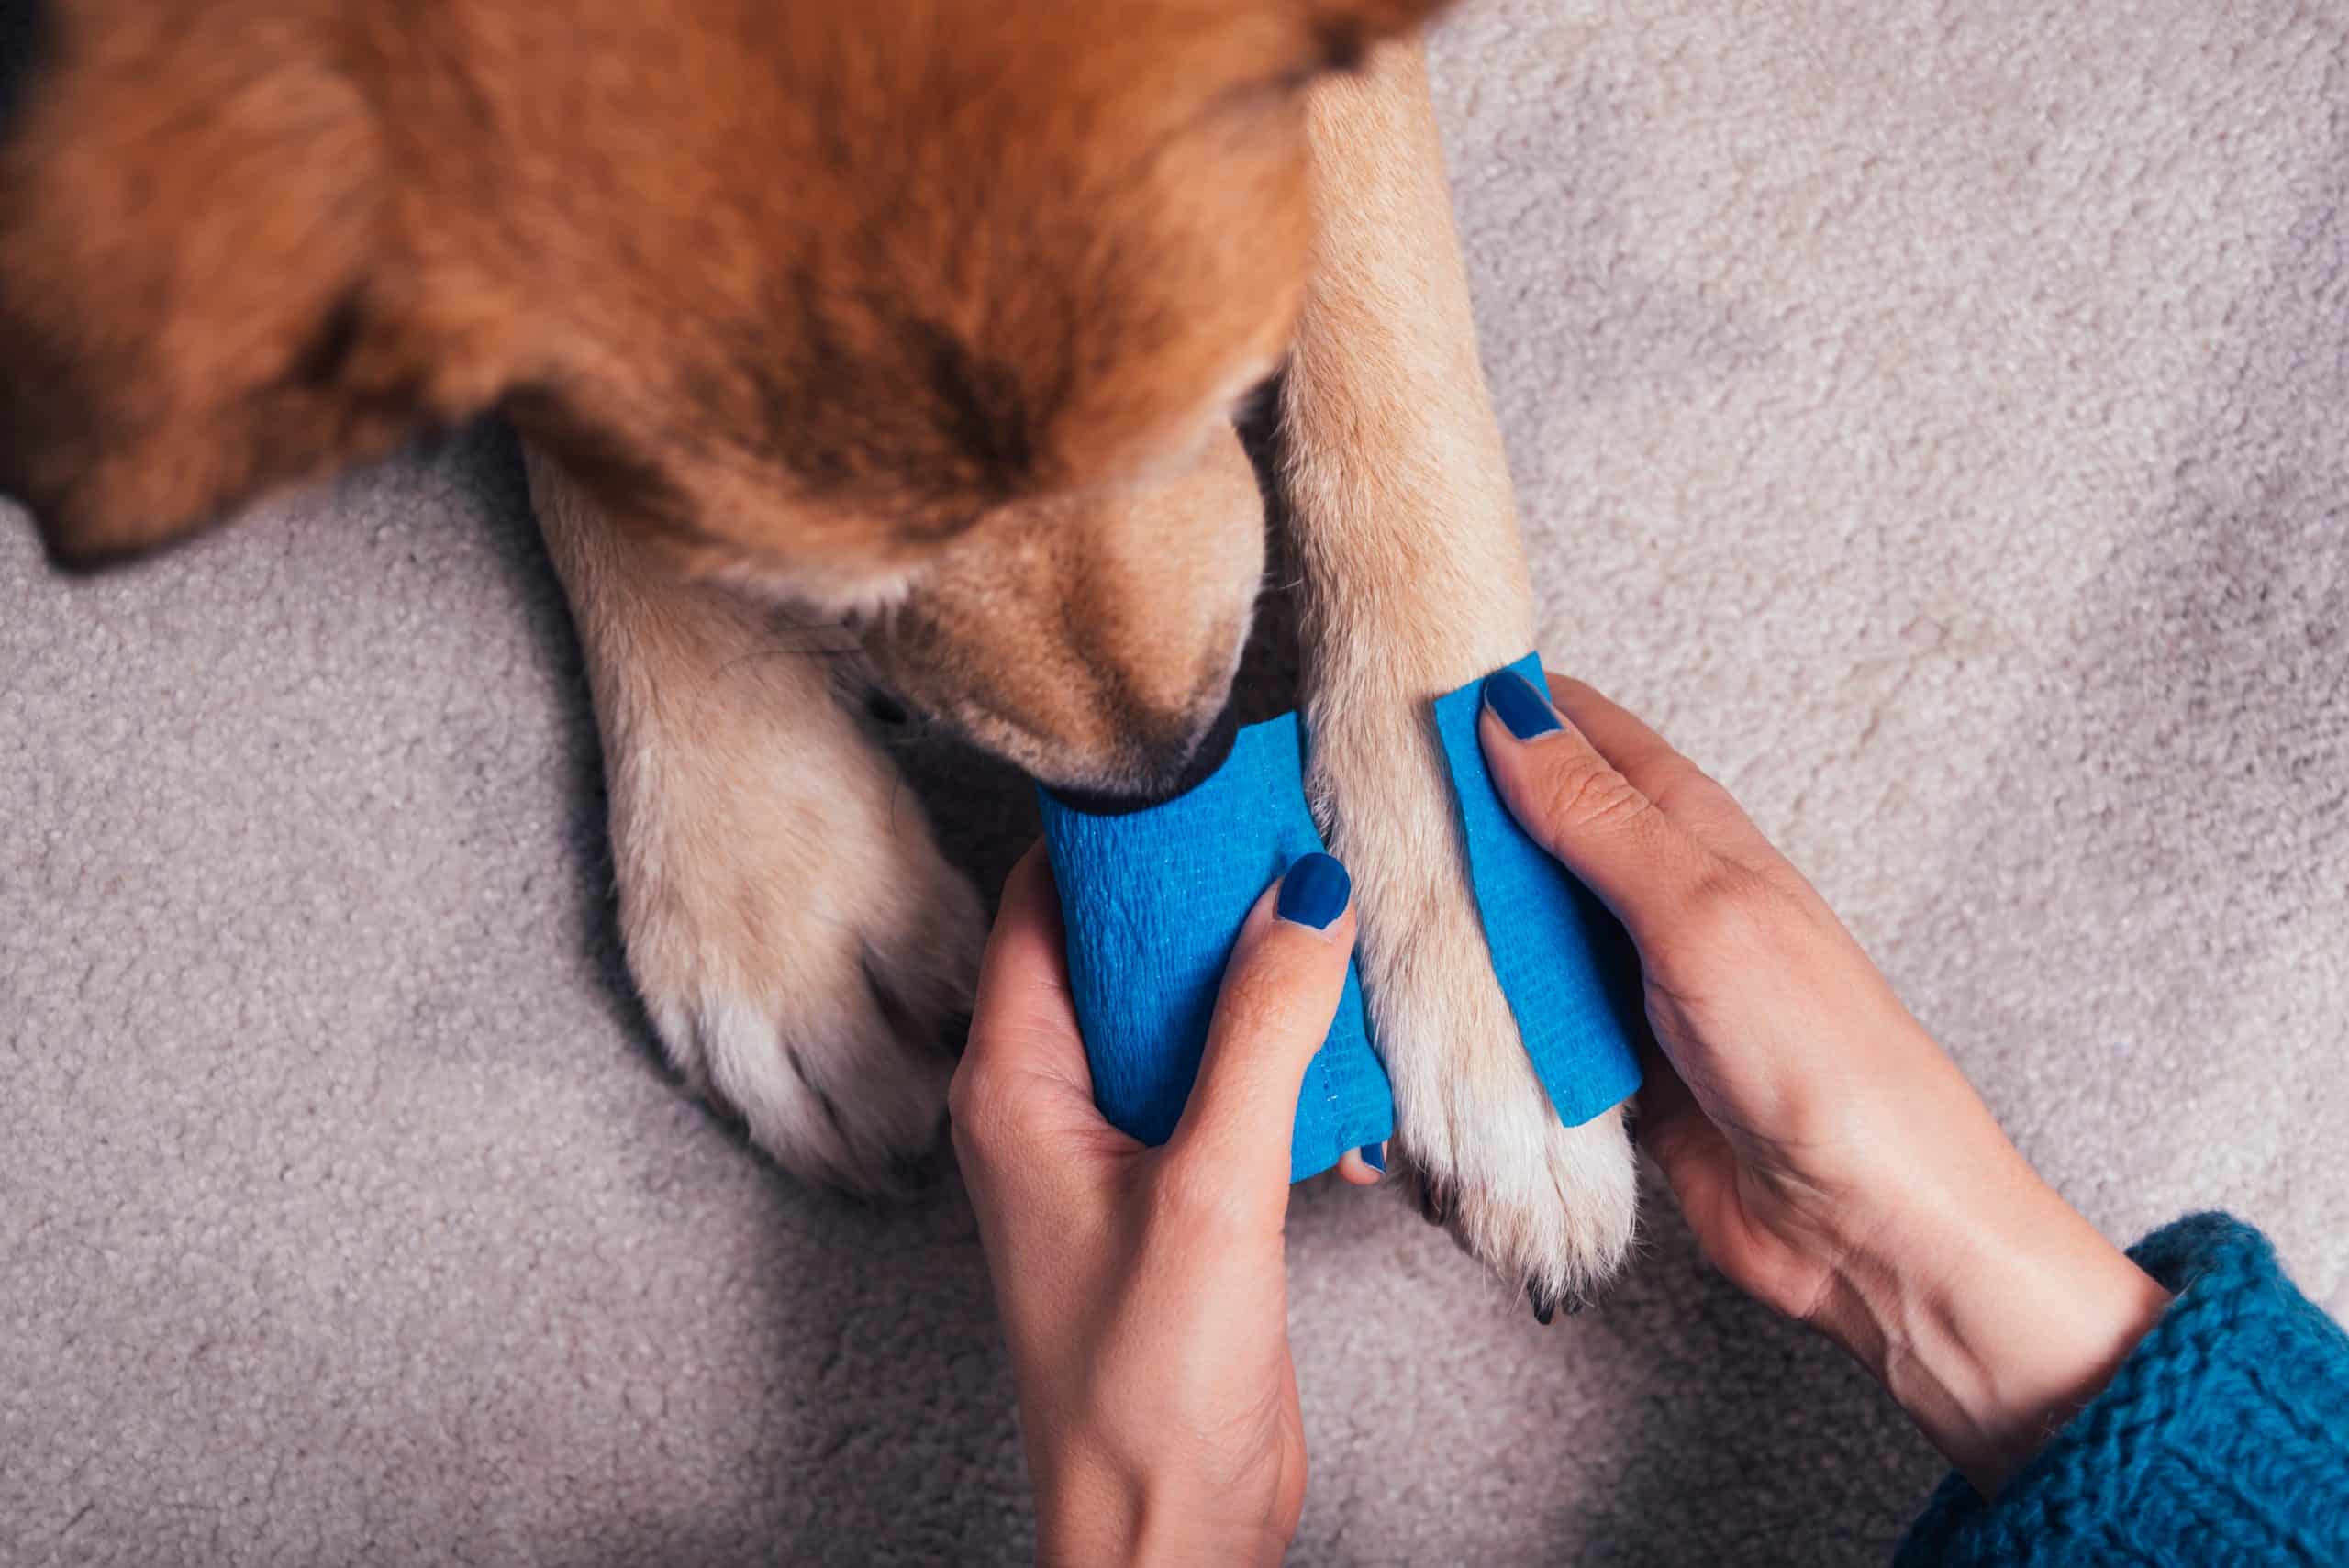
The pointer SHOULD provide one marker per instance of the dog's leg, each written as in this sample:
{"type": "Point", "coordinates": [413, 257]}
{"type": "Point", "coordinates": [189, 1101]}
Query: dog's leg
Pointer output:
{"type": "Point", "coordinates": [801, 944]}
{"type": "Point", "coordinates": [1405, 531]}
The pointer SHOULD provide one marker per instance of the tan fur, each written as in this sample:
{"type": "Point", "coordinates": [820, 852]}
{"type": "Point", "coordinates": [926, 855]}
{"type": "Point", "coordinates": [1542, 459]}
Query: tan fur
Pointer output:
{"type": "Point", "coordinates": [909, 328]}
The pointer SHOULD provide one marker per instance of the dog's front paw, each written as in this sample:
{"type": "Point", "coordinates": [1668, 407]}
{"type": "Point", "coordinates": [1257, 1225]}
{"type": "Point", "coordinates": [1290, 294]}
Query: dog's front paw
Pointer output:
{"type": "Point", "coordinates": [802, 948]}
{"type": "Point", "coordinates": [1548, 1206]}
{"type": "Point", "coordinates": [805, 952]}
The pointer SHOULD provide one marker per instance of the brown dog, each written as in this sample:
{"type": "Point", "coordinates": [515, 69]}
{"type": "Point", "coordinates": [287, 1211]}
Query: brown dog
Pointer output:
{"type": "Point", "coordinates": [920, 320]}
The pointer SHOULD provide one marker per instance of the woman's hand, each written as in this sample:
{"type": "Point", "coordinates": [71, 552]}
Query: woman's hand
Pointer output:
{"type": "Point", "coordinates": [1144, 1290]}
{"type": "Point", "coordinates": [1831, 1158]}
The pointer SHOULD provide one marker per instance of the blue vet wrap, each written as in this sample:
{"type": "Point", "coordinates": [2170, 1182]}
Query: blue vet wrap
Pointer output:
{"type": "Point", "coordinates": [1153, 900]}
{"type": "Point", "coordinates": [1566, 966]}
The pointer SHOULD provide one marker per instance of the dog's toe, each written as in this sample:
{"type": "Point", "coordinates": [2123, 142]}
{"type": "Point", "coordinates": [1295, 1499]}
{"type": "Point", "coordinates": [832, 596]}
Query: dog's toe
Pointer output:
{"type": "Point", "coordinates": [816, 989]}
{"type": "Point", "coordinates": [840, 1071]}
{"type": "Point", "coordinates": [1550, 1205]}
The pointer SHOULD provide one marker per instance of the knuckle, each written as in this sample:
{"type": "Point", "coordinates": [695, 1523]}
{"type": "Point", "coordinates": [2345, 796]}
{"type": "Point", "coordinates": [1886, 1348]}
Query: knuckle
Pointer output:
{"type": "Point", "coordinates": [980, 1114]}
{"type": "Point", "coordinates": [1726, 911]}
{"type": "Point", "coordinates": [1681, 786]}
{"type": "Point", "coordinates": [1260, 999]}
{"type": "Point", "coordinates": [962, 1091]}
{"type": "Point", "coordinates": [1187, 1200]}
{"type": "Point", "coordinates": [1585, 793]}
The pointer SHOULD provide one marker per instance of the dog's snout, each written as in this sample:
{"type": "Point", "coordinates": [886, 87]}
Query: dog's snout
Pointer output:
{"type": "Point", "coordinates": [1168, 767]}
{"type": "Point", "coordinates": [1092, 641]}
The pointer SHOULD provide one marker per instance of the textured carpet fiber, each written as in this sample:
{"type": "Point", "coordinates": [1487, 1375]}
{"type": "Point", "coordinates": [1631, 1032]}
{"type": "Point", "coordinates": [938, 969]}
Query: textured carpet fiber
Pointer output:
{"type": "Point", "coordinates": [1936, 417]}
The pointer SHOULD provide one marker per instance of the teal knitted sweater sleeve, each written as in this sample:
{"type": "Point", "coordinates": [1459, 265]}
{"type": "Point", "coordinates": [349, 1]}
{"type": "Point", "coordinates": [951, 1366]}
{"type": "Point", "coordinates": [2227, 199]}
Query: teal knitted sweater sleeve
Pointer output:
{"type": "Point", "coordinates": [2224, 1439]}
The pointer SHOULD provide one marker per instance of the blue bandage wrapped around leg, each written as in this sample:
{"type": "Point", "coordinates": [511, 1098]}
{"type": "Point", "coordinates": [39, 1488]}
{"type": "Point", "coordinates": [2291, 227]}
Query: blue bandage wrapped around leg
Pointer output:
{"type": "Point", "coordinates": [1565, 964]}
{"type": "Point", "coordinates": [1154, 900]}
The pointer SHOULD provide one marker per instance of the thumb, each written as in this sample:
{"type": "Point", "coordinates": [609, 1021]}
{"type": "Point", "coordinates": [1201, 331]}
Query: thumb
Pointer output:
{"type": "Point", "coordinates": [1280, 991]}
{"type": "Point", "coordinates": [1578, 805]}
{"type": "Point", "coordinates": [1023, 1078]}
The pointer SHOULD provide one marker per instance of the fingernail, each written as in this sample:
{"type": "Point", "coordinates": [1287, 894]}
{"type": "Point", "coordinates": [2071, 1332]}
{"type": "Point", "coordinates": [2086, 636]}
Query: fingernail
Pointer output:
{"type": "Point", "coordinates": [1516, 704]}
{"type": "Point", "coordinates": [1375, 1156]}
{"type": "Point", "coordinates": [1314, 893]}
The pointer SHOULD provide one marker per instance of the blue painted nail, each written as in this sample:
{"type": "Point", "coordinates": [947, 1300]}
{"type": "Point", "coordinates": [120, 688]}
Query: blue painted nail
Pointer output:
{"type": "Point", "coordinates": [1314, 893]}
{"type": "Point", "coordinates": [1514, 701]}
{"type": "Point", "coordinates": [1375, 1156]}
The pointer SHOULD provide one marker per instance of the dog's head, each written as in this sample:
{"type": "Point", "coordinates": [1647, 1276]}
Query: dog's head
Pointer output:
{"type": "Point", "coordinates": [928, 312]}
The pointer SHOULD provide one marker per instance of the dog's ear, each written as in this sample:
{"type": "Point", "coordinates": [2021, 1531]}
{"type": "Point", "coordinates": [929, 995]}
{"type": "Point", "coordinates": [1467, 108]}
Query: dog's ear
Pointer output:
{"type": "Point", "coordinates": [198, 297]}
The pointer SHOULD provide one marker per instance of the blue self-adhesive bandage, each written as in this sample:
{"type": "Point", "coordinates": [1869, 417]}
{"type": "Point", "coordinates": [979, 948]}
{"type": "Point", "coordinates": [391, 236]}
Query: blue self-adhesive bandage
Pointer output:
{"type": "Point", "coordinates": [1565, 964]}
{"type": "Point", "coordinates": [1154, 900]}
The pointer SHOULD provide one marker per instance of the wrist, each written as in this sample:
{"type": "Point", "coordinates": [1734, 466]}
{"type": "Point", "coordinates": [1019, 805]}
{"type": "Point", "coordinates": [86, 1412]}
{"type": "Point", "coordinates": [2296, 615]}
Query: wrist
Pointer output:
{"type": "Point", "coordinates": [1991, 1325]}
{"type": "Point", "coordinates": [1096, 1514]}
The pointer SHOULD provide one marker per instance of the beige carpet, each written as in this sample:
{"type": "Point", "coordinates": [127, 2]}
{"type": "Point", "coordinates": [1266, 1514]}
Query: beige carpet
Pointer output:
{"type": "Point", "coordinates": [1936, 416]}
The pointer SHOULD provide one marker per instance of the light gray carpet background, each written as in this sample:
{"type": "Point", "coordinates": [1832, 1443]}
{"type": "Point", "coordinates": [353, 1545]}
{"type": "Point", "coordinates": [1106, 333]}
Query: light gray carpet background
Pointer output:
{"type": "Point", "coordinates": [1935, 417]}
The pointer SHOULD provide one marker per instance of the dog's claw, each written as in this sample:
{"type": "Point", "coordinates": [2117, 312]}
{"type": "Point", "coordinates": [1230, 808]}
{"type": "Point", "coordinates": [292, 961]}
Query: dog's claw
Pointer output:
{"type": "Point", "coordinates": [1431, 1203]}
{"type": "Point", "coordinates": [914, 1175]}
{"type": "Point", "coordinates": [1546, 1305]}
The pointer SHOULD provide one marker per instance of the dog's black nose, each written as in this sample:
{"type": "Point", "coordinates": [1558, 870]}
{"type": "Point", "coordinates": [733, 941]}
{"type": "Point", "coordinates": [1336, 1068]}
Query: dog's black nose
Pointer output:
{"type": "Point", "coordinates": [23, 27]}
{"type": "Point", "coordinates": [1171, 767]}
